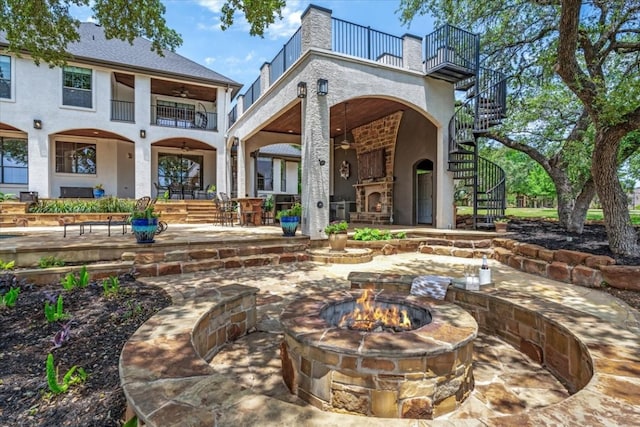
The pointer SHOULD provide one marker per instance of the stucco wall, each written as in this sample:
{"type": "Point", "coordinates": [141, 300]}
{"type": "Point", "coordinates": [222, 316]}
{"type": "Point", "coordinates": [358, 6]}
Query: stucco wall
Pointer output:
{"type": "Point", "coordinates": [417, 140]}
{"type": "Point", "coordinates": [38, 95]}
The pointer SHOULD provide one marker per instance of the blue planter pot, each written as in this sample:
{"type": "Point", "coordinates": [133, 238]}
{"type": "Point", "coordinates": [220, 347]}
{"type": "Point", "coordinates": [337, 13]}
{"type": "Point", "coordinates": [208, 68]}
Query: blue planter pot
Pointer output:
{"type": "Point", "coordinates": [98, 192]}
{"type": "Point", "coordinates": [289, 225]}
{"type": "Point", "coordinates": [144, 229]}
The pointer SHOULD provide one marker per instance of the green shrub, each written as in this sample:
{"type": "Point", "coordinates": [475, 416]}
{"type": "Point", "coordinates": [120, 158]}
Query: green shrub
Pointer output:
{"type": "Point", "coordinates": [7, 265]}
{"type": "Point", "coordinates": [50, 261]}
{"type": "Point", "coordinates": [72, 281]}
{"type": "Point", "coordinates": [101, 205]}
{"type": "Point", "coordinates": [372, 234]}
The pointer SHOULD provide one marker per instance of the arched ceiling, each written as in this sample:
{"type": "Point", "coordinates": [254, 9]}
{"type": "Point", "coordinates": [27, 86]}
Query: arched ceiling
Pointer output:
{"type": "Point", "coordinates": [360, 111]}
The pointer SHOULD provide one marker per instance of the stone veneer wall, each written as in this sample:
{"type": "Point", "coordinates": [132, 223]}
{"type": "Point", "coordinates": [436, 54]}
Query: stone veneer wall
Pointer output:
{"type": "Point", "coordinates": [379, 134]}
{"type": "Point", "coordinates": [531, 330]}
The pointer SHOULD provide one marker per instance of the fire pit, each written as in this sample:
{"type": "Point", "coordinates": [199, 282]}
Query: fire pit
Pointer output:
{"type": "Point", "coordinates": [417, 366]}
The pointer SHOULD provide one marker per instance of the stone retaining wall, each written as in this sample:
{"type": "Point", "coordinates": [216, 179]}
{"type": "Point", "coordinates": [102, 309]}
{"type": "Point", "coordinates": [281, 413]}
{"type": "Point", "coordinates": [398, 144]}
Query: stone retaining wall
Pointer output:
{"type": "Point", "coordinates": [173, 347]}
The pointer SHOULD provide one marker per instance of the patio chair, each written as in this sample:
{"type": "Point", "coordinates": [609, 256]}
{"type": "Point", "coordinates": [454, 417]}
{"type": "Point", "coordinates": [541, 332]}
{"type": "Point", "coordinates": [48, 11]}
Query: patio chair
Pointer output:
{"type": "Point", "coordinates": [188, 190]}
{"type": "Point", "coordinates": [175, 189]}
{"type": "Point", "coordinates": [160, 189]}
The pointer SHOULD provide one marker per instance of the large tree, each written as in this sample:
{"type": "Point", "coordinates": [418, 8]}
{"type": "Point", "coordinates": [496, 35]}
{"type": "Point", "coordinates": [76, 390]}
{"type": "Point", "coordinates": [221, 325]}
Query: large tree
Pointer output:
{"type": "Point", "coordinates": [593, 48]}
{"type": "Point", "coordinates": [44, 28]}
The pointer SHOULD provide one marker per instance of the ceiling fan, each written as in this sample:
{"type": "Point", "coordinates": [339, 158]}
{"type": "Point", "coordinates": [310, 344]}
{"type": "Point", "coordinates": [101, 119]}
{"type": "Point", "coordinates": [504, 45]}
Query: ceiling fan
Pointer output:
{"type": "Point", "coordinates": [182, 92]}
{"type": "Point", "coordinates": [345, 144]}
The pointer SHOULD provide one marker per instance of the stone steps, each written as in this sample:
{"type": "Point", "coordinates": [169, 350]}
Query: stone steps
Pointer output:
{"type": "Point", "coordinates": [159, 261]}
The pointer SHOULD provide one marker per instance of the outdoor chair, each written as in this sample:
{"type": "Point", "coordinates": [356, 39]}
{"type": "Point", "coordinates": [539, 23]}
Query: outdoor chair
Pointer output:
{"type": "Point", "coordinates": [160, 189]}
{"type": "Point", "coordinates": [175, 189]}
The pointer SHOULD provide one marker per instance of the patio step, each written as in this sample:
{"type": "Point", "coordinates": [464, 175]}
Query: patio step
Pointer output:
{"type": "Point", "coordinates": [203, 259]}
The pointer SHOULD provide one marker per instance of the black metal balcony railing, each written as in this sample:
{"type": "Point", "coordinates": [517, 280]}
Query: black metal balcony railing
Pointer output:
{"type": "Point", "coordinates": [233, 115]}
{"type": "Point", "coordinates": [123, 111]}
{"type": "Point", "coordinates": [449, 45]}
{"type": "Point", "coordinates": [289, 54]}
{"type": "Point", "coordinates": [363, 42]}
{"type": "Point", "coordinates": [185, 118]}
{"type": "Point", "coordinates": [252, 94]}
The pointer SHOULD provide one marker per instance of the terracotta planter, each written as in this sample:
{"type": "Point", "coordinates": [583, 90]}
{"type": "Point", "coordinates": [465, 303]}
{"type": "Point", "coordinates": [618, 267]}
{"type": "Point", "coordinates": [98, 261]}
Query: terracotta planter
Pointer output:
{"type": "Point", "coordinates": [338, 242]}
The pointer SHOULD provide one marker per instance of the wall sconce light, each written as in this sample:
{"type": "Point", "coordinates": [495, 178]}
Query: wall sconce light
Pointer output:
{"type": "Point", "coordinates": [37, 124]}
{"type": "Point", "coordinates": [129, 156]}
{"type": "Point", "coordinates": [322, 162]}
{"type": "Point", "coordinates": [143, 133]}
{"type": "Point", "coordinates": [323, 87]}
{"type": "Point", "coordinates": [302, 90]}
{"type": "Point", "coordinates": [236, 141]}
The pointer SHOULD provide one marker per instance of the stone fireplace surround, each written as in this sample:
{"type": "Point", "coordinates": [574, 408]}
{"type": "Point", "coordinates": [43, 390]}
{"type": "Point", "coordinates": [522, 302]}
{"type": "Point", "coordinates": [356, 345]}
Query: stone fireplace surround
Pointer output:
{"type": "Point", "coordinates": [422, 373]}
{"type": "Point", "coordinates": [369, 196]}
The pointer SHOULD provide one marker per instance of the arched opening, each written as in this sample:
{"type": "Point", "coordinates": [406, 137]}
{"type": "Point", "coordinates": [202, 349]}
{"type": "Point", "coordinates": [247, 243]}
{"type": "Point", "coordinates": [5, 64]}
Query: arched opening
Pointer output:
{"type": "Point", "coordinates": [424, 192]}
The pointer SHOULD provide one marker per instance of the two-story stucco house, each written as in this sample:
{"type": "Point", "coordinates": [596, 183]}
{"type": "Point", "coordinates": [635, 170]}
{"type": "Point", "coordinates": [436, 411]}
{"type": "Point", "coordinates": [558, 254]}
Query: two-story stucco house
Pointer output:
{"type": "Point", "coordinates": [117, 114]}
{"type": "Point", "coordinates": [374, 115]}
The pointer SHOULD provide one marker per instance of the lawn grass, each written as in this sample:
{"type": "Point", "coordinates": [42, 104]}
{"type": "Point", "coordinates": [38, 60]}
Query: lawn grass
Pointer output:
{"type": "Point", "coordinates": [550, 213]}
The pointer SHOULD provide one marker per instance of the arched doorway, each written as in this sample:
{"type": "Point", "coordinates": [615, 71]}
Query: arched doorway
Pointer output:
{"type": "Point", "coordinates": [424, 192]}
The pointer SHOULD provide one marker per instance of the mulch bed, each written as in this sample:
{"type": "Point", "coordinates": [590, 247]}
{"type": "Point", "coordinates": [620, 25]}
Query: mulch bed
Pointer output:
{"type": "Point", "coordinates": [100, 326]}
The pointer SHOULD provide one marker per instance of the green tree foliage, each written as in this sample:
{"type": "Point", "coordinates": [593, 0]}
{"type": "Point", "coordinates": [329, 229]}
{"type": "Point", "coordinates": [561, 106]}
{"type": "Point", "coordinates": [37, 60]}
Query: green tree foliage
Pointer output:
{"type": "Point", "coordinates": [45, 28]}
{"type": "Point", "coordinates": [259, 13]}
{"type": "Point", "coordinates": [574, 92]}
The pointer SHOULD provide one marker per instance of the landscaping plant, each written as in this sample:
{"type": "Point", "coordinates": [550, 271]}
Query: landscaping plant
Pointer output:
{"type": "Point", "coordinates": [371, 234]}
{"type": "Point", "coordinates": [9, 299]}
{"type": "Point", "coordinates": [71, 281]}
{"type": "Point", "coordinates": [7, 265]}
{"type": "Point", "coordinates": [55, 313]}
{"type": "Point", "coordinates": [111, 286]}
{"type": "Point", "coordinates": [75, 375]}
{"type": "Point", "coordinates": [62, 335]}
{"type": "Point", "coordinates": [50, 261]}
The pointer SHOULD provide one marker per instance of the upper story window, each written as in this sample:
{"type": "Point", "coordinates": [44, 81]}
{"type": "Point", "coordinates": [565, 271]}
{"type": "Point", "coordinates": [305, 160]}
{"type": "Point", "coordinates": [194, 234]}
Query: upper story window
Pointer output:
{"type": "Point", "coordinates": [76, 87]}
{"type": "Point", "coordinates": [13, 161]}
{"type": "Point", "coordinates": [75, 157]}
{"type": "Point", "coordinates": [5, 77]}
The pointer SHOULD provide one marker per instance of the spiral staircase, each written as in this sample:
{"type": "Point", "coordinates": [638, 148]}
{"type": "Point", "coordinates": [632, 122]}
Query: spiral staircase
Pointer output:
{"type": "Point", "coordinates": [452, 54]}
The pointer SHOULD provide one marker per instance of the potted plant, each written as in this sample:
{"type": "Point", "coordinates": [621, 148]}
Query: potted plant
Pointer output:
{"type": "Point", "coordinates": [337, 232]}
{"type": "Point", "coordinates": [98, 191]}
{"type": "Point", "coordinates": [144, 224]}
{"type": "Point", "coordinates": [289, 219]}
{"type": "Point", "coordinates": [501, 224]}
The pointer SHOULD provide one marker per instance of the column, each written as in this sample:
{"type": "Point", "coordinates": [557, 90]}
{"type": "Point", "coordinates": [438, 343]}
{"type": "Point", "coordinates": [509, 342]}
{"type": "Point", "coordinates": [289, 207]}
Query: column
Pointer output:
{"type": "Point", "coordinates": [315, 165]}
{"type": "Point", "coordinates": [142, 151]}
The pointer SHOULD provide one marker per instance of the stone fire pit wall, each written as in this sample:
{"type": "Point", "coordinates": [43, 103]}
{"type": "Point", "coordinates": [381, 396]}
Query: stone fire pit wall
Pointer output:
{"type": "Point", "coordinates": [422, 373]}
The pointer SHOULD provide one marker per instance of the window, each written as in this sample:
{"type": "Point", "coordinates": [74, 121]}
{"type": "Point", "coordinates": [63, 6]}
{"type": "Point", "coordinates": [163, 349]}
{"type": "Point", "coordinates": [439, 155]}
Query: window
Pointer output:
{"type": "Point", "coordinates": [75, 157]}
{"type": "Point", "coordinates": [5, 77]}
{"type": "Point", "coordinates": [283, 176]}
{"type": "Point", "coordinates": [265, 173]}
{"type": "Point", "coordinates": [175, 114]}
{"type": "Point", "coordinates": [179, 169]}
{"type": "Point", "coordinates": [76, 87]}
{"type": "Point", "coordinates": [14, 161]}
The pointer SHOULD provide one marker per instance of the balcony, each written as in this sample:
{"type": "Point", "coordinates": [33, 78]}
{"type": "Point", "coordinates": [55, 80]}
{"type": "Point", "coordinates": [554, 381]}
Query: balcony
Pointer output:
{"type": "Point", "coordinates": [123, 111]}
{"type": "Point", "coordinates": [184, 118]}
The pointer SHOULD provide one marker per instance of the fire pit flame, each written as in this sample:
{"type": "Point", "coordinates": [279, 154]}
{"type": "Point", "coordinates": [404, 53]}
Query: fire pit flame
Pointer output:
{"type": "Point", "coordinates": [370, 316]}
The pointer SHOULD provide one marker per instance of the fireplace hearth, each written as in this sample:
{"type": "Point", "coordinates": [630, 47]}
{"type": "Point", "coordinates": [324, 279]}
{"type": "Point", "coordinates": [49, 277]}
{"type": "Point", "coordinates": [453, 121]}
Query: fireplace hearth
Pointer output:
{"type": "Point", "coordinates": [423, 372]}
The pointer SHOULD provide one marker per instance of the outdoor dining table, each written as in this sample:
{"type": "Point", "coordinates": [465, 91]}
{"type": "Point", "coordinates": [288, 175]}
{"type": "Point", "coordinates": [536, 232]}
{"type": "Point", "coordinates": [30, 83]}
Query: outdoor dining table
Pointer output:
{"type": "Point", "coordinates": [250, 210]}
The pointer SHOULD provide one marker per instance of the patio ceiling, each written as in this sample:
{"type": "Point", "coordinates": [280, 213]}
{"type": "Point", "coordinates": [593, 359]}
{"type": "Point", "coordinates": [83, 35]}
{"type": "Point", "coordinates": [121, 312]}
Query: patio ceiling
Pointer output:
{"type": "Point", "coordinates": [94, 133]}
{"type": "Point", "coordinates": [359, 112]}
{"type": "Point", "coordinates": [172, 88]}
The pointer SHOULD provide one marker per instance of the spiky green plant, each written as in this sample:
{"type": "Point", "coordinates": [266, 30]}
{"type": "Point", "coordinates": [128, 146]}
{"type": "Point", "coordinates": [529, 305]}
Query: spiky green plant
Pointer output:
{"type": "Point", "coordinates": [75, 375]}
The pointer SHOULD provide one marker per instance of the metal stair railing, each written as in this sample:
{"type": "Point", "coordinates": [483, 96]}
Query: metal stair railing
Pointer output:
{"type": "Point", "coordinates": [484, 109]}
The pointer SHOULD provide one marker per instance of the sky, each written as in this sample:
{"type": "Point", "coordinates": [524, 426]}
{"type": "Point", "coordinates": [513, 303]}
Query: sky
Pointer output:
{"type": "Point", "coordinates": [239, 56]}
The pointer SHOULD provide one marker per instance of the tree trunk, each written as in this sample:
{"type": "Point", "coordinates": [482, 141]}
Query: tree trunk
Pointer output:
{"type": "Point", "coordinates": [572, 211]}
{"type": "Point", "coordinates": [622, 236]}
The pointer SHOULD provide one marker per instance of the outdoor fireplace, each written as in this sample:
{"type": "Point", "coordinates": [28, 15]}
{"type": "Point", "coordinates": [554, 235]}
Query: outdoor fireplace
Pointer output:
{"type": "Point", "coordinates": [420, 371]}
